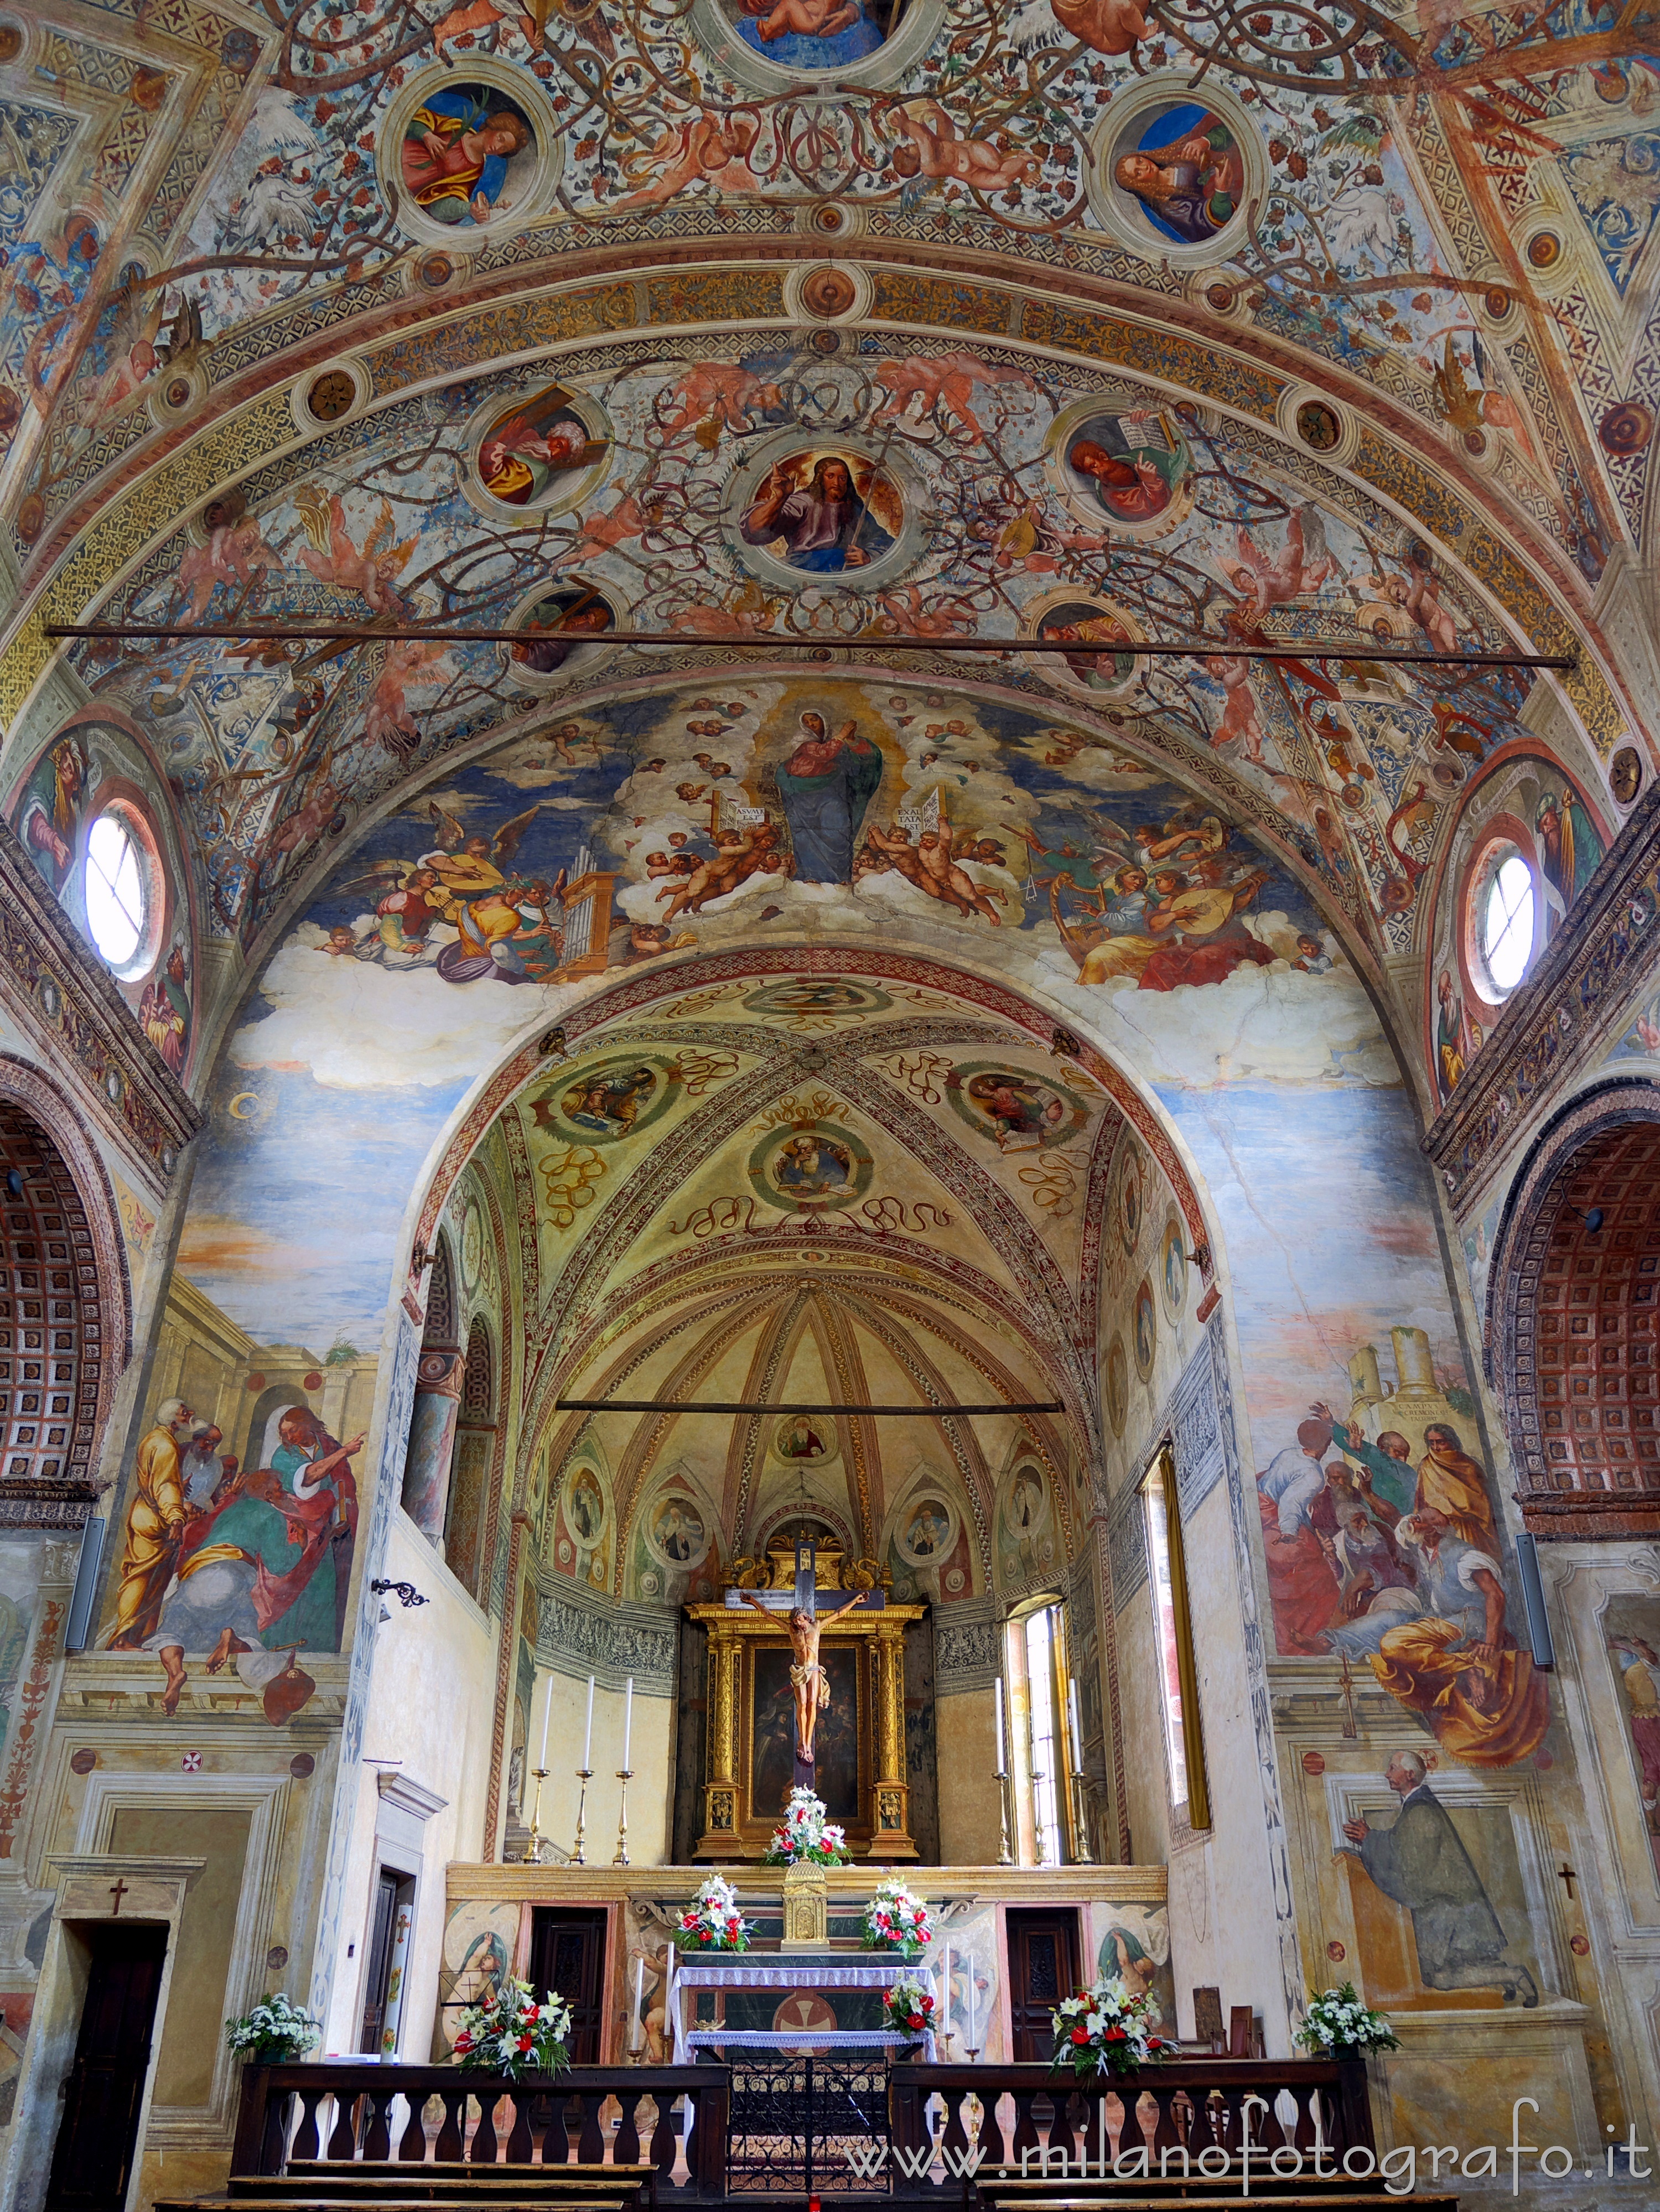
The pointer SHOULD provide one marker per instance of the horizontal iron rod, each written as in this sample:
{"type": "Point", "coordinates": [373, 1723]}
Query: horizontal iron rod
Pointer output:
{"type": "Point", "coordinates": [1183, 649]}
{"type": "Point", "coordinates": [748, 1406]}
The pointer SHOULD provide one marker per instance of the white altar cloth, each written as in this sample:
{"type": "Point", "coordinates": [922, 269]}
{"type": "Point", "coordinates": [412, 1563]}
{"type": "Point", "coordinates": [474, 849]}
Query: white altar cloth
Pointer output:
{"type": "Point", "coordinates": [746, 1971]}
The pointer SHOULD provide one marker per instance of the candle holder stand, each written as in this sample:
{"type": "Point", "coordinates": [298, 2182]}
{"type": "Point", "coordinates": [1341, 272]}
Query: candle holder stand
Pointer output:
{"type": "Point", "coordinates": [585, 1775]}
{"type": "Point", "coordinates": [624, 1775]}
{"type": "Point", "coordinates": [538, 1843]}
{"type": "Point", "coordinates": [1005, 1856]}
{"type": "Point", "coordinates": [1080, 1823]}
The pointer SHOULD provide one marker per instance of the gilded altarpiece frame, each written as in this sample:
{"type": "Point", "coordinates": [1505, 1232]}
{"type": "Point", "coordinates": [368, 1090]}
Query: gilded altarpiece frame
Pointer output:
{"type": "Point", "coordinates": [866, 1749]}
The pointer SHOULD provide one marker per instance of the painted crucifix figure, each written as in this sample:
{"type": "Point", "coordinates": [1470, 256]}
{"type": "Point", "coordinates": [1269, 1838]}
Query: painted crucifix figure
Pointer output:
{"type": "Point", "coordinates": [807, 1677]}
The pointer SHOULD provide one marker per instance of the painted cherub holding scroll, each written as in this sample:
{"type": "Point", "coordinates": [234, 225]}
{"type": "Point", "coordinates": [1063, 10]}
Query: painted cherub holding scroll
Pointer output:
{"type": "Point", "coordinates": [807, 1677]}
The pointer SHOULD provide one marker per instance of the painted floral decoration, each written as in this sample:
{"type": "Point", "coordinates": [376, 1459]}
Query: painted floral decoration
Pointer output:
{"type": "Point", "coordinates": [895, 1919]}
{"type": "Point", "coordinates": [910, 2007]}
{"type": "Point", "coordinates": [712, 1921]}
{"type": "Point", "coordinates": [1106, 2030]}
{"type": "Point", "coordinates": [805, 1837]}
{"type": "Point", "coordinates": [1338, 2025]}
{"type": "Point", "coordinates": [276, 2029]}
{"type": "Point", "coordinates": [514, 2034]}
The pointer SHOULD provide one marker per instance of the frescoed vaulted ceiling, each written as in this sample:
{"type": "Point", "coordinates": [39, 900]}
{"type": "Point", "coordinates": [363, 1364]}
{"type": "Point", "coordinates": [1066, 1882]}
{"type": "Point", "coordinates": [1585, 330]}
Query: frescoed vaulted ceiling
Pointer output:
{"type": "Point", "coordinates": [810, 1191]}
{"type": "Point", "coordinates": [1116, 325]}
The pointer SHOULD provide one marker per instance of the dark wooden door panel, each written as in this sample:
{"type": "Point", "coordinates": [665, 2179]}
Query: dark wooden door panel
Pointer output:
{"type": "Point", "coordinates": [97, 2135]}
{"type": "Point", "coordinates": [1042, 1947]}
{"type": "Point", "coordinates": [567, 1954]}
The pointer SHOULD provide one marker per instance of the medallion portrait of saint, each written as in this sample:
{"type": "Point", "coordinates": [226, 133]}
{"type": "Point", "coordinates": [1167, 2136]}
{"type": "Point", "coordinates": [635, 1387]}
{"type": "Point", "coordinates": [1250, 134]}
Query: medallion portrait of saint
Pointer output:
{"type": "Point", "coordinates": [1128, 467]}
{"type": "Point", "coordinates": [1092, 634]}
{"type": "Point", "coordinates": [1022, 1114]}
{"type": "Point", "coordinates": [1184, 172]}
{"type": "Point", "coordinates": [823, 513]}
{"type": "Point", "coordinates": [676, 1532]}
{"type": "Point", "coordinates": [813, 1166]}
{"type": "Point", "coordinates": [803, 1437]}
{"type": "Point", "coordinates": [557, 629]}
{"type": "Point", "coordinates": [463, 148]}
{"type": "Point", "coordinates": [533, 443]}
{"type": "Point", "coordinates": [1146, 1329]}
{"type": "Point", "coordinates": [929, 1533]}
{"type": "Point", "coordinates": [609, 1101]}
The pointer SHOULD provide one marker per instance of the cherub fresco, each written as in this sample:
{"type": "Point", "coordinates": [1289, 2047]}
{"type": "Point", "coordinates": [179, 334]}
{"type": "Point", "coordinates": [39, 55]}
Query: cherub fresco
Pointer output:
{"type": "Point", "coordinates": [812, 34]}
{"type": "Point", "coordinates": [945, 385]}
{"type": "Point", "coordinates": [333, 557]}
{"type": "Point", "coordinates": [235, 553]}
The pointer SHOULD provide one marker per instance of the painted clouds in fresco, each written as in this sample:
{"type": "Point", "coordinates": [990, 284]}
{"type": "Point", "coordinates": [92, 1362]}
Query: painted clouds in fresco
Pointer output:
{"type": "Point", "coordinates": [441, 942]}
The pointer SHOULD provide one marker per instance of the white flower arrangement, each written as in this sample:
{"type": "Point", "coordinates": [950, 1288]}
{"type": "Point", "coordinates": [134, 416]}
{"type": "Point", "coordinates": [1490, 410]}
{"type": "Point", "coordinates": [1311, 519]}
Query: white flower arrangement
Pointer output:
{"type": "Point", "coordinates": [513, 2033]}
{"type": "Point", "coordinates": [712, 1921]}
{"type": "Point", "coordinates": [1338, 2025]}
{"type": "Point", "coordinates": [909, 2006]}
{"type": "Point", "coordinates": [895, 1919]}
{"type": "Point", "coordinates": [1106, 2030]}
{"type": "Point", "coordinates": [276, 2029]}
{"type": "Point", "coordinates": [805, 1837]}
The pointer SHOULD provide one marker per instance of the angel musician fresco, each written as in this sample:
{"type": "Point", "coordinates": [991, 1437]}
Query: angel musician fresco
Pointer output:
{"type": "Point", "coordinates": [1163, 904]}
{"type": "Point", "coordinates": [460, 908]}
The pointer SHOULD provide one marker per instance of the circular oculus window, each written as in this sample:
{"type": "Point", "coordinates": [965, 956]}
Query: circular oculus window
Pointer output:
{"type": "Point", "coordinates": [119, 888]}
{"type": "Point", "coordinates": [1506, 914]}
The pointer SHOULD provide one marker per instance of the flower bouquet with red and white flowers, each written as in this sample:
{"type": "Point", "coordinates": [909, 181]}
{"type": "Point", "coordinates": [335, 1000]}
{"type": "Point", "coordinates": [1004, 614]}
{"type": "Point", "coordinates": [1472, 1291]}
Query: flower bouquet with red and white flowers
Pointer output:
{"type": "Point", "coordinates": [1106, 2030]}
{"type": "Point", "coordinates": [514, 2034]}
{"type": "Point", "coordinates": [897, 1920]}
{"type": "Point", "coordinates": [910, 2007]}
{"type": "Point", "coordinates": [805, 1837]}
{"type": "Point", "coordinates": [712, 1920]}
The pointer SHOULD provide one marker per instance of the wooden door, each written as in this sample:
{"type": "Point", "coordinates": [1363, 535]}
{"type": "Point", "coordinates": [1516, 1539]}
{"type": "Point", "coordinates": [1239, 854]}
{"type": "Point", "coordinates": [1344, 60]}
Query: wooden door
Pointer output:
{"type": "Point", "coordinates": [98, 2136]}
{"type": "Point", "coordinates": [1043, 1970]}
{"type": "Point", "coordinates": [378, 1971]}
{"type": "Point", "coordinates": [567, 1954]}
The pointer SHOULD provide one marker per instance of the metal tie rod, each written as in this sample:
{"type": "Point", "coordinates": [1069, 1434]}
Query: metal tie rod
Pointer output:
{"type": "Point", "coordinates": [749, 1405]}
{"type": "Point", "coordinates": [1200, 648]}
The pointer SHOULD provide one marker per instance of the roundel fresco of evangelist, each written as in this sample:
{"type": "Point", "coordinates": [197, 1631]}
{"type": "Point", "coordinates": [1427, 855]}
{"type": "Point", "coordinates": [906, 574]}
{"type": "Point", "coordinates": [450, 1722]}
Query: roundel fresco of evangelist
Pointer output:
{"type": "Point", "coordinates": [769, 707]}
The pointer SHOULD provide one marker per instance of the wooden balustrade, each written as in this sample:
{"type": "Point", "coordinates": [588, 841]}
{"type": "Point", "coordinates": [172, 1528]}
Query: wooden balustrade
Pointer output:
{"type": "Point", "coordinates": [1026, 2114]}
{"type": "Point", "coordinates": [421, 2115]}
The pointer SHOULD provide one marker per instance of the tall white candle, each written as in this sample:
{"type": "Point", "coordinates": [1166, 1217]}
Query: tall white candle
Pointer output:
{"type": "Point", "coordinates": [547, 1715]}
{"type": "Point", "coordinates": [972, 2045]}
{"type": "Point", "coordinates": [1077, 1733]}
{"type": "Point", "coordinates": [1002, 1763]}
{"type": "Point", "coordinates": [588, 1739]}
{"type": "Point", "coordinates": [945, 1994]}
{"type": "Point", "coordinates": [628, 1719]}
{"type": "Point", "coordinates": [639, 2002]}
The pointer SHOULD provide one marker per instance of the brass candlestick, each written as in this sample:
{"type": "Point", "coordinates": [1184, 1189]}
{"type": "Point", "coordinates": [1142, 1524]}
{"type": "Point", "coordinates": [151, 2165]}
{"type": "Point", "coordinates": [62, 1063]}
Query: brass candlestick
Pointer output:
{"type": "Point", "coordinates": [585, 1774]}
{"type": "Point", "coordinates": [1080, 1823]}
{"type": "Point", "coordinates": [537, 1842]}
{"type": "Point", "coordinates": [625, 1774]}
{"type": "Point", "coordinates": [1037, 1823]}
{"type": "Point", "coordinates": [1005, 1856]}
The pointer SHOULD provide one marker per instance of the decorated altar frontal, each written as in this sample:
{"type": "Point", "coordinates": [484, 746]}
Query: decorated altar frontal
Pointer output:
{"type": "Point", "coordinates": [497, 1916]}
{"type": "Point", "coordinates": [805, 1976]}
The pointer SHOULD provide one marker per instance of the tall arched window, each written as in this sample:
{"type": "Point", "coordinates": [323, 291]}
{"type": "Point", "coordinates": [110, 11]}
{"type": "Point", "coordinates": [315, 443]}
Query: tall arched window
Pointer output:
{"type": "Point", "coordinates": [467, 1525]}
